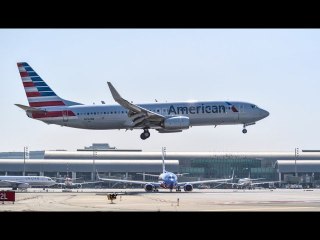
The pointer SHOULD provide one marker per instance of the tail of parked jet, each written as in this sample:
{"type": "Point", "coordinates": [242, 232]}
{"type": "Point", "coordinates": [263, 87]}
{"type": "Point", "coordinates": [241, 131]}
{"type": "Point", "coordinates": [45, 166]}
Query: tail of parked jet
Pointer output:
{"type": "Point", "coordinates": [38, 92]}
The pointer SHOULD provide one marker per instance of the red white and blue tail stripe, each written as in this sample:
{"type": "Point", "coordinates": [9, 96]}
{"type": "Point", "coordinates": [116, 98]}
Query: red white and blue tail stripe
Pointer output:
{"type": "Point", "coordinates": [44, 103]}
{"type": "Point", "coordinates": [39, 94]}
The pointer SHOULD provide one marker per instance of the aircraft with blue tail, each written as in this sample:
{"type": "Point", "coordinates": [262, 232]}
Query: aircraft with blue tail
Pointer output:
{"type": "Point", "coordinates": [167, 180]}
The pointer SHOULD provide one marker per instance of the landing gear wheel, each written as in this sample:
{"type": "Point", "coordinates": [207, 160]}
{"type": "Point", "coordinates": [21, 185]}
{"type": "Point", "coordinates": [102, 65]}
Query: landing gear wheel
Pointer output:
{"type": "Point", "coordinates": [145, 134]}
{"type": "Point", "coordinates": [244, 131]}
{"type": "Point", "coordinates": [142, 136]}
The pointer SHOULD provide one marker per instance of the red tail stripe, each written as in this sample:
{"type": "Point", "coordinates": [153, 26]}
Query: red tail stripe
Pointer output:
{"type": "Point", "coordinates": [33, 94]}
{"type": "Point", "coordinates": [24, 74]}
{"type": "Point", "coordinates": [47, 104]}
{"type": "Point", "coordinates": [28, 84]}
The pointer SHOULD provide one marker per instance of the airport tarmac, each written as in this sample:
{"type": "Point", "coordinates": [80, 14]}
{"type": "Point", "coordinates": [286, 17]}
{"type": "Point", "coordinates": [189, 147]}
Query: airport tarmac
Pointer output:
{"type": "Point", "coordinates": [138, 200]}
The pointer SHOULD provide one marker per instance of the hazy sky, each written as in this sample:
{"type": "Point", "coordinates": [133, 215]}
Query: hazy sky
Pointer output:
{"type": "Point", "coordinates": [277, 69]}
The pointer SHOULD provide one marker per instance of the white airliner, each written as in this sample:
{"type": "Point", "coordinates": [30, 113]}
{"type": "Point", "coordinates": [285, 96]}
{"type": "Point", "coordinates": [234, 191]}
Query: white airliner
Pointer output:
{"type": "Point", "coordinates": [167, 180]}
{"type": "Point", "coordinates": [250, 183]}
{"type": "Point", "coordinates": [24, 182]}
{"type": "Point", "coordinates": [68, 183]}
{"type": "Point", "coordinates": [46, 106]}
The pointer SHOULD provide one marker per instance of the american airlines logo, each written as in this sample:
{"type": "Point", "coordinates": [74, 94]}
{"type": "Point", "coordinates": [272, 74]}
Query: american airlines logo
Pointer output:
{"type": "Point", "coordinates": [197, 109]}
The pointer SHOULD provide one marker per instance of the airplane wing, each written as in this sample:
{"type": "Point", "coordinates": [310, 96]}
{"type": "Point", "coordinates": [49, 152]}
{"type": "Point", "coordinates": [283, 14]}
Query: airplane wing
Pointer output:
{"type": "Point", "coordinates": [139, 115]}
{"type": "Point", "coordinates": [206, 181]}
{"type": "Point", "coordinates": [181, 174]}
{"type": "Point", "coordinates": [258, 183]}
{"type": "Point", "coordinates": [87, 183]}
{"type": "Point", "coordinates": [157, 184]}
{"type": "Point", "coordinates": [147, 174]}
{"type": "Point", "coordinates": [129, 181]}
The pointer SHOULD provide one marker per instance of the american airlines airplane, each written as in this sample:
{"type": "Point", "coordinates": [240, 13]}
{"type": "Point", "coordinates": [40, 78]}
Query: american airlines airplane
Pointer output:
{"type": "Point", "coordinates": [24, 182]}
{"type": "Point", "coordinates": [45, 105]}
{"type": "Point", "coordinates": [167, 180]}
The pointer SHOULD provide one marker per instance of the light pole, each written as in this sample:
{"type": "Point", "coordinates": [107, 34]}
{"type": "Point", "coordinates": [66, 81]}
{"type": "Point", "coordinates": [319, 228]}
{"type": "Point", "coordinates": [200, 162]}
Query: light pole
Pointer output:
{"type": "Point", "coordinates": [25, 155]}
{"type": "Point", "coordinates": [94, 153]}
{"type": "Point", "coordinates": [296, 155]}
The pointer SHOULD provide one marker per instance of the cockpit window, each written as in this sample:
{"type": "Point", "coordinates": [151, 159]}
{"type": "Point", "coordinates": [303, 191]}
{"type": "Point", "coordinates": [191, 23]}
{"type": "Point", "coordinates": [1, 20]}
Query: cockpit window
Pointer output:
{"type": "Point", "coordinates": [253, 106]}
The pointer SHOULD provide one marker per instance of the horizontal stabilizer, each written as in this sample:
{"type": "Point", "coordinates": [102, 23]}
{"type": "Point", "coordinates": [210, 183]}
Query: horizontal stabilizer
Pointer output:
{"type": "Point", "coordinates": [27, 108]}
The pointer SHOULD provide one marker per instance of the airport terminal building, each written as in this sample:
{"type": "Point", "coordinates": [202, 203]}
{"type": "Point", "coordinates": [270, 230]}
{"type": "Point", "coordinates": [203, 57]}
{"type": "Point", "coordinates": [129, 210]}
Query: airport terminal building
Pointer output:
{"type": "Point", "coordinates": [126, 163]}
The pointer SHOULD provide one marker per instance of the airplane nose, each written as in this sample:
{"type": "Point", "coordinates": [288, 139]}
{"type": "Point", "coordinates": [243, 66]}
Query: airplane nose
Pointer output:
{"type": "Point", "coordinates": [264, 113]}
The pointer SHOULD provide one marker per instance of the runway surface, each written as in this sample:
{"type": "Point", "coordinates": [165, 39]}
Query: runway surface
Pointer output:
{"type": "Point", "coordinates": [138, 200]}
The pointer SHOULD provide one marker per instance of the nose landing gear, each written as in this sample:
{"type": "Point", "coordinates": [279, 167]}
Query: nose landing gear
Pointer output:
{"type": "Point", "coordinates": [145, 134]}
{"type": "Point", "coordinates": [244, 130]}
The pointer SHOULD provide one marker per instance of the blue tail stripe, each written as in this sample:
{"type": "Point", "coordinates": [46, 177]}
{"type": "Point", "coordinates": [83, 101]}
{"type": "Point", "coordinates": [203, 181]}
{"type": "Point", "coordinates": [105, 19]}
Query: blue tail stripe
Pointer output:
{"type": "Point", "coordinates": [43, 94]}
{"type": "Point", "coordinates": [41, 89]}
{"type": "Point", "coordinates": [31, 74]}
{"type": "Point", "coordinates": [37, 79]}
{"type": "Point", "coordinates": [28, 69]}
{"type": "Point", "coordinates": [40, 84]}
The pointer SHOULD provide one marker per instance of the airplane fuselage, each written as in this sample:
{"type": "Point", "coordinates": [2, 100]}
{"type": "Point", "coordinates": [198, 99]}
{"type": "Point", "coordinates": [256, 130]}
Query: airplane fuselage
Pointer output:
{"type": "Point", "coordinates": [25, 181]}
{"type": "Point", "coordinates": [116, 117]}
{"type": "Point", "coordinates": [47, 106]}
{"type": "Point", "coordinates": [168, 180]}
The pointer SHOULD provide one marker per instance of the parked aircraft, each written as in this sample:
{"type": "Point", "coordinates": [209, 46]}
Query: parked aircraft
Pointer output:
{"type": "Point", "coordinates": [45, 105]}
{"type": "Point", "coordinates": [69, 183]}
{"type": "Point", "coordinates": [24, 182]}
{"type": "Point", "coordinates": [167, 180]}
{"type": "Point", "coordinates": [249, 183]}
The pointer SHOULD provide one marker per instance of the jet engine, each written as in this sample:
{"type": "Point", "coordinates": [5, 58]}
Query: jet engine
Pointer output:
{"type": "Point", "coordinates": [187, 188]}
{"type": "Point", "coordinates": [178, 122]}
{"type": "Point", "coordinates": [148, 187]}
{"type": "Point", "coordinates": [23, 185]}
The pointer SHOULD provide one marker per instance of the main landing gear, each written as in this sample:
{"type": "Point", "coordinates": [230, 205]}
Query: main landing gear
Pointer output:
{"type": "Point", "coordinates": [145, 134]}
{"type": "Point", "coordinates": [244, 130]}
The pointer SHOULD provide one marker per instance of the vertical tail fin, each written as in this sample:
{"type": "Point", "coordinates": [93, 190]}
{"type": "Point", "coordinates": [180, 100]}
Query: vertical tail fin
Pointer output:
{"type": "Point", "coordinates": [163, 165]}
{"type": "Point", "coordinates": [38, 92]}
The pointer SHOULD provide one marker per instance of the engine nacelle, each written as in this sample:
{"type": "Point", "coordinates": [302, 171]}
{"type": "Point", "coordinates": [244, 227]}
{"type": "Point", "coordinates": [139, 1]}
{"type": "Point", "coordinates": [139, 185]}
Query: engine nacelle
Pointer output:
{"type": "Point", "coordinates": [187, 188]}
{"type": "Point", "coordinates": [148, 187]}
{"type": "Point", "coordinates": [178, 122]}
{"type": "Point", "coordinates": [24, 185]}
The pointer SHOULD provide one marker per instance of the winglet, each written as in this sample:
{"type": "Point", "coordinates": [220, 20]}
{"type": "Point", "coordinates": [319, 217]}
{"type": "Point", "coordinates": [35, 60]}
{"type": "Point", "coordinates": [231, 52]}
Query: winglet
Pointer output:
{"type": "Point", "coordinates": [116, 96]}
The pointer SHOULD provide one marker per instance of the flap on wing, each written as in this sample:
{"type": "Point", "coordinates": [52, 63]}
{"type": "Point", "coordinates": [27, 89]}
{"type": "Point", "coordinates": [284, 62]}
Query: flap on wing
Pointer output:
{"type": "Point", "coordinates": [130, 106]}
{"type": "Point", "coordinates": [30, 109]}
{"type": "Point", "coordinates": [128, 181]}
{"type": "Point", "coordinates": [147, 174]}
{"type": "Point", "coordinates": [206, 181]}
